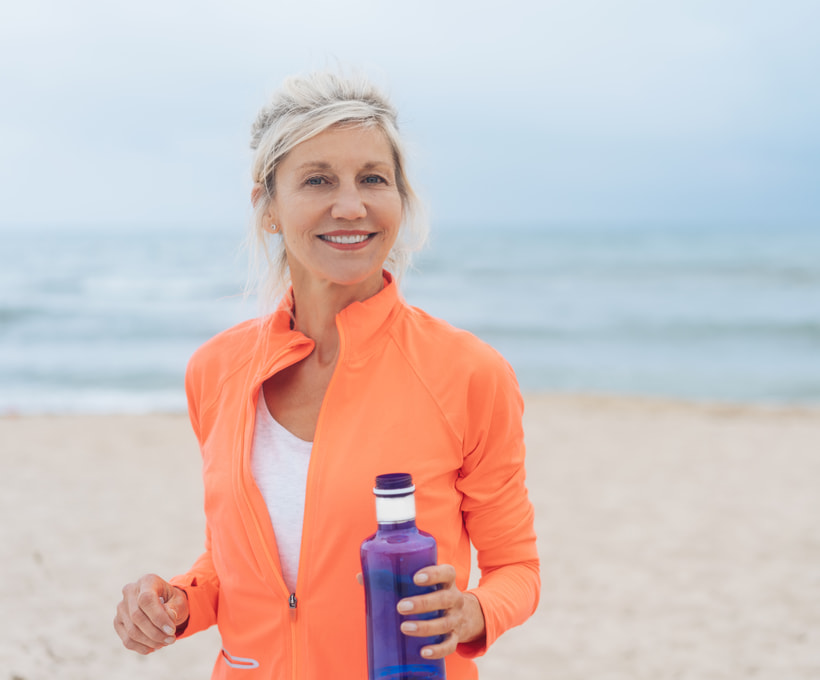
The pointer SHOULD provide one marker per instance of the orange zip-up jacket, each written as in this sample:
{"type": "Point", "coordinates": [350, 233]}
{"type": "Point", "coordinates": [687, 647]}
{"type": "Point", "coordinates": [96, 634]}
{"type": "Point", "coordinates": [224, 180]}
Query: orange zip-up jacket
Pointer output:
{"type": "Point", "coordinates": [409, 394]}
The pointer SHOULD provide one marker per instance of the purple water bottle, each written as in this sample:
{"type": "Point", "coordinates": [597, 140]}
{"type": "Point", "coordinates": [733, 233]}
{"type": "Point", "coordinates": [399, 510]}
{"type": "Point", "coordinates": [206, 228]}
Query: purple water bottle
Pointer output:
{"type": "Point", "coordinates": [390, 557]}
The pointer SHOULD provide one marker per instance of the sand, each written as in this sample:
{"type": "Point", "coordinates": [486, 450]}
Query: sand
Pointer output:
{"type": "Point", "coordinates": [678, 541]}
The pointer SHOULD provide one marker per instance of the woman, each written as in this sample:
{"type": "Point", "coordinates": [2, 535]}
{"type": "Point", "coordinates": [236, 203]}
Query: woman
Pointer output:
{"type": "Point", "coordinates": [297, 412]}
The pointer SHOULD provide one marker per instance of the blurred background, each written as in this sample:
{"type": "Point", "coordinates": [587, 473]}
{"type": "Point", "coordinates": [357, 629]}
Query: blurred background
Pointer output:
{"type": "Point", "coordinates": [623, 196]}
{"type": "Point", "coordinates": [624, 201]}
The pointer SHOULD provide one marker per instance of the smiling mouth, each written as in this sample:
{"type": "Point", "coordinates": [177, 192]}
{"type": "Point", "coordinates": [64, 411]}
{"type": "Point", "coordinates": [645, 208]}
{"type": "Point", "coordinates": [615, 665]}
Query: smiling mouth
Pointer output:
{"type": "Point", "coordinates": [347, 239]}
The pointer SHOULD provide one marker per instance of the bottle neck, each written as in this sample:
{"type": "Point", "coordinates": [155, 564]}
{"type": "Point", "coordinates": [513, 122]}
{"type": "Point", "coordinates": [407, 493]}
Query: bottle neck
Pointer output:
{"type": "Point", "coordinates": [401, 527]}
{"type": "Point", "coordinates": [395, 510]}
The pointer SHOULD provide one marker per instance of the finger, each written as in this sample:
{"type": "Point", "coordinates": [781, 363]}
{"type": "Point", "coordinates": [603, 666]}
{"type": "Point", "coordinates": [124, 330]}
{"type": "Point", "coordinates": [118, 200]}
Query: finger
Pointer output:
{"type": "Point", "coordinates": [152, 618]}
{"type": "Point", "coordinates": [442, 625]}
{"type": "Point", "coordinates": [130, 642]}
{"type": "Point", "coordinates": [173, 602]}
{"type": "Point", "coordinates": [142, 630]}
{"type": "Point", "coordinates": [143, 609]}
{"type": "Point", "coordinates": [132, 635]}
{"type": "Point", "coordinates": [436, 574]}
{"type": "Point", "coordinates": [437, 600]}
{"type": "Point", "coordinates": [177, 606]}
{"type": "Point", "coordinates": [360, 579]}
{"type": "Point", "coordinates": [446, 596]}
{"type": "Point", "coordinates": [440, 650]}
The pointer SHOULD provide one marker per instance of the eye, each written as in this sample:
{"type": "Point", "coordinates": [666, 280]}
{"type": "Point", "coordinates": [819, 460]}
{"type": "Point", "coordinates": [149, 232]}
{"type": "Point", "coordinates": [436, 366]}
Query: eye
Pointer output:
{"type": "Point", "coordinates": [315, 181]}
{"type": "Point", "coordinates": [374, 179]}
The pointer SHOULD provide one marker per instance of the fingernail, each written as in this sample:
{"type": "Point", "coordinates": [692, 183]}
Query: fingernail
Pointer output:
{"type": "Point", "coordinates": [170, 640]}
{"type": "Point", "coordinates": [409, 627]}
{"type": "Point", "coordinates": [427, 652]}
{"type": "Point", "coordinates": [168, 630]}
{"type": "Point", "coordinates": [421, 578]}
{"type": "Point", "coordinates": [405, 606]}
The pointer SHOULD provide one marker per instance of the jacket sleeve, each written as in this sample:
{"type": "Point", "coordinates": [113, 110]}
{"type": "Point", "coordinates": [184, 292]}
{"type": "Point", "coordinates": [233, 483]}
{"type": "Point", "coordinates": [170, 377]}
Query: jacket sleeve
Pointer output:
{"type": "Point", "coordinates": [496, 508]}
{"type": "Point", "coordinates": [201, 586]}
{"type": "Point", "coordinates": [200, 583]}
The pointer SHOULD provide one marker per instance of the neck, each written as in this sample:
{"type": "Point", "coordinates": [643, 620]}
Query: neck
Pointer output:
{"type": "Point", "coordinates": [316, 304]}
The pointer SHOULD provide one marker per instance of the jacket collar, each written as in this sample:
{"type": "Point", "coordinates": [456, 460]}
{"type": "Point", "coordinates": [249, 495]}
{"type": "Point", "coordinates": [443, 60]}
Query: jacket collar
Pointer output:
{"type": "Point", "coordinates": [360, 324]}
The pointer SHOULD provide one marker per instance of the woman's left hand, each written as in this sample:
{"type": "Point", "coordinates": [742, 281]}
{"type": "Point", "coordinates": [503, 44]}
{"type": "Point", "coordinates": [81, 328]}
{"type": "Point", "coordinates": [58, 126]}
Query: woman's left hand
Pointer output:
{"type": "Point", "coordinates": [461, 621]}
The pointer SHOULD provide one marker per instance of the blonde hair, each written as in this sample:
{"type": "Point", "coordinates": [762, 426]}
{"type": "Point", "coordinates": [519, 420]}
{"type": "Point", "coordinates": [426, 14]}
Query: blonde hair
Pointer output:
{"type": "Point", "coordinates": [301, 109]}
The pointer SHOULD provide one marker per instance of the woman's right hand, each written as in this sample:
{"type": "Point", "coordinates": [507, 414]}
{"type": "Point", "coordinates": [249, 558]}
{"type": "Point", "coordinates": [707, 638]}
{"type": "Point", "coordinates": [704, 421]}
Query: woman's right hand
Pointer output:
{"type": "Point", "coordinates": [150, 613]}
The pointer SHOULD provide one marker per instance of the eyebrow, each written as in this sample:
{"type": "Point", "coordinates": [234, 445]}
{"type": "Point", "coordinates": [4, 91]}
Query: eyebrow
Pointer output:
{"type": "Point", "coordinates": [318, 165]}
{"type": "Point", "coordinates": [322, 165]}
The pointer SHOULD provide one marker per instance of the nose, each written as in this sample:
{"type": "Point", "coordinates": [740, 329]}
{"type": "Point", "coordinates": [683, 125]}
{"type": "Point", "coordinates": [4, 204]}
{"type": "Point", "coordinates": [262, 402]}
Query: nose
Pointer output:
{"type": "Point", "coordinates": [348, 203]}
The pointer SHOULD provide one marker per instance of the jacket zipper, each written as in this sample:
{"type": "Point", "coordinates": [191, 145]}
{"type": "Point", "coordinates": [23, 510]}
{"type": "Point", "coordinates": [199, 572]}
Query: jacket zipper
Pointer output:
{"type": "Point", "coordinates": [292, 600]}
{"type": "Point", "coordinates": [292, 603]}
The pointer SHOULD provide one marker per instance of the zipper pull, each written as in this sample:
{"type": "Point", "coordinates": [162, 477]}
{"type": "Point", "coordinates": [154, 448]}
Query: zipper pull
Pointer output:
{"type": "Point", "coordinates": [292, 601]}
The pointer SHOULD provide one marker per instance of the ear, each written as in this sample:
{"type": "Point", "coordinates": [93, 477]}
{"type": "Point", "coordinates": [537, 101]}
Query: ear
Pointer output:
{"type": "Point", "coordinates": [270, 218]}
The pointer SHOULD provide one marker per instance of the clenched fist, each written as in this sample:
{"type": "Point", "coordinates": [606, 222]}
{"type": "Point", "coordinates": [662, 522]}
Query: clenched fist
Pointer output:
{"type": "Point", "coordinates": [150, 613]}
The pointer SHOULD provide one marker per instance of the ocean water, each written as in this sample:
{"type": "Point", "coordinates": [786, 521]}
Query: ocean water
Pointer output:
{"type": "Point", "coordinates": [96, 320]}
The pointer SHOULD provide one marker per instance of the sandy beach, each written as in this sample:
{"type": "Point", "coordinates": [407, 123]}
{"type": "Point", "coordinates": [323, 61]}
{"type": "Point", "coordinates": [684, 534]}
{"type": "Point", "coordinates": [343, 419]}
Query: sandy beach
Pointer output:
{"type": "Point", "coordinates": [677, 541]}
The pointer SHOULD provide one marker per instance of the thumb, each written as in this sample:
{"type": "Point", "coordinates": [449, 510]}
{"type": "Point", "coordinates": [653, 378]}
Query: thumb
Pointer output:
{"type": "Point", "coordinates": [176, 605]}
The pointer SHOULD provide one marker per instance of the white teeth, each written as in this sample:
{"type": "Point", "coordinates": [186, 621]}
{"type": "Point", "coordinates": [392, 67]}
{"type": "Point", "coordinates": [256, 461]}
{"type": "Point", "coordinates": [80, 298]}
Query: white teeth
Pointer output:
{"type": "Point", "coordinates": [347, 238]}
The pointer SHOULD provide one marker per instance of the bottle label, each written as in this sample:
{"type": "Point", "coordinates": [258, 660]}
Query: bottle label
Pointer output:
{"type": "Point", "coordinates": [396, 509]}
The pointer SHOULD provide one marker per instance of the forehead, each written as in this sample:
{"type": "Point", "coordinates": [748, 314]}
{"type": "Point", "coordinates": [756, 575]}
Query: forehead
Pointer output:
{"type": "Point", "coordinates": [342, 145]}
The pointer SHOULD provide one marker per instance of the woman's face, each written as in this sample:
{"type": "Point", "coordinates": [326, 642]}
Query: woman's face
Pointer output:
{"type": "Point", "coordinates": [338, 208]}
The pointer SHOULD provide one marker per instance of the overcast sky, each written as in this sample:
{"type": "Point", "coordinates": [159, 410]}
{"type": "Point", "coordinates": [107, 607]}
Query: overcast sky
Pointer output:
{"type": "Point", "coordinates": [138, 113]}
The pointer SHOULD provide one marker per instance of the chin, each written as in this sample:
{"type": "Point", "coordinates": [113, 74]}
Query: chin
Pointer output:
{"type": "Point", "coordinates": [357, 278]}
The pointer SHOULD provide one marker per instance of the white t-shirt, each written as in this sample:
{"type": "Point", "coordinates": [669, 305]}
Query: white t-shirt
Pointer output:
{"type": "Point", "coordinates": [279, 463]}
